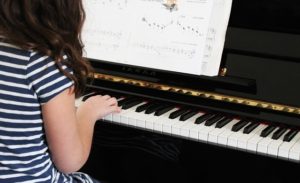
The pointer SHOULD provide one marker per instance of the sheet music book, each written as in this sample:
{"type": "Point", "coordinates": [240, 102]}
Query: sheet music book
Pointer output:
{"type": "Point", "coordinates": [184, 36]}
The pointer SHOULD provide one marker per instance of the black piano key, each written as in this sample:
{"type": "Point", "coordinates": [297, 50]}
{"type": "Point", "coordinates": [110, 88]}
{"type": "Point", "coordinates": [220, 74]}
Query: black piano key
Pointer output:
{"type": "Point", "coordinates": [177, 113]}
{"type": "Point", "coordinates": [277, 134]}
{"type": "Point", "coordinates": [290, 135]}
{"type": "Point", "coordinates": [117, 96]}
{"type": "Point", "coordinates": [163, 110]}
{"type": "Point", "coordinates": [143, 107]}
{"type": "Point", "coordinates": [203, 118]}
{"type": "Point", "coordinates": [125, 100]}
{"type": "Point", "coordinates": [153, 108]}
{"type": "Point", "coordinates": [236, 127]}
{"type": "Point", "coordinates": [188, 115]}
{"type": "Point", "coordinates": [248, 129]}
{"type": "Point", "coordinates": [267, 131]}
{"type": "Point", "coordinates": [214, 119]}
{"type": "Point", "coordinates": [132, 103]}
{"type": "Point", "coordinates": [223, 122]}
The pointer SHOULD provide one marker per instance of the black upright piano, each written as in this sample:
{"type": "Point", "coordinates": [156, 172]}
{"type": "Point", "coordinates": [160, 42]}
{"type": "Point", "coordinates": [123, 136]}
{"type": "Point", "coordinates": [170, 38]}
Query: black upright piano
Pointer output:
{"type": "Point", "coordinates": [239, 126]}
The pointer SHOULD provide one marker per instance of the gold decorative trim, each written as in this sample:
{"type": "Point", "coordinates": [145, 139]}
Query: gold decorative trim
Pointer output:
{"type": "Point", "coordinates": [197, 93]}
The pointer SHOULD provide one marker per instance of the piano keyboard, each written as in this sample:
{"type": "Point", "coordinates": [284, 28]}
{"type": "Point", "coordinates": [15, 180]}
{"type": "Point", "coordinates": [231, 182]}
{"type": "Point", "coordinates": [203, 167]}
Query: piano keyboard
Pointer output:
{"type": "Point", "coordinates": [208, 127]}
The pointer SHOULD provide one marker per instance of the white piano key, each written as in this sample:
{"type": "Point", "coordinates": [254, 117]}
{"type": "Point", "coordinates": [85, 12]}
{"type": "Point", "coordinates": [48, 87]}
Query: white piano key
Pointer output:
{"type": "Point", "coordinates": [190, 124]}
{"type": "Point", "coordinates": [253, 141]}
{"type": "Point", "coordinates": [176, 127]}
{"type": "Point", "coordinates": [294, 153]}
{"type": "Point", "coordinates": [233, 139]}
{"type": "Point", "coordinates": [150, 118]}
{"type": "Point", "coordinates": [108, 117]}
{"type": "Point", "coordinates": [285, 147]}
{"type": "Point", "coordinates": [274, 145]}
{"type": "Point", "coordinates": [262, 146]}
{"type": "Point", "coordinates": [243, 140]}
{"type": "Point", "coordinates": [132, 115]}
{"type": "Point", "coordinates": [124, 117]}
{"type": "Point", "coordinates": [223, 137]}
{"type": "Point", "coordinates": [116, 117]}
{"type": "Point", "coordinates": [140, 121]}
{"type": "Point", "coordinates": [213, 135]}
{"type": "Point", "coordinates": [158, 124]}
{"type": "Point", "coordinates": [158, 121]}
{"type": "Point", "coordinates": [167, 125]}
{"type": "Point", "coordinates": [203, 132]}
{"type": "Point", "coordinates": [194, 132]}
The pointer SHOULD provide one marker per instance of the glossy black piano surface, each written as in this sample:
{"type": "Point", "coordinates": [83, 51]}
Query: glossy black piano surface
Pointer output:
{"type": "Point", "coordinates": [262, 60]}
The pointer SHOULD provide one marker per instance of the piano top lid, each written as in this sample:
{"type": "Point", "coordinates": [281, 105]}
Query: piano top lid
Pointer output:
{"type": "Point", "coordinates": [261, 57]}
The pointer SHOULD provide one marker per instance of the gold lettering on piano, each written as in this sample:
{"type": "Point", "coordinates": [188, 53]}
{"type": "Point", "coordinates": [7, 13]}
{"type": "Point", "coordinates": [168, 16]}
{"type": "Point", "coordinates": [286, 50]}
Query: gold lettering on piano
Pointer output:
{"type": "Point", "coordinates": [198, 93]}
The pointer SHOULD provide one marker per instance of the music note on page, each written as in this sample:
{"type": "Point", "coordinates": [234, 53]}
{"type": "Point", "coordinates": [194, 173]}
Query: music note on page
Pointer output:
{"type": "Point", "coordinates": [174, 35]}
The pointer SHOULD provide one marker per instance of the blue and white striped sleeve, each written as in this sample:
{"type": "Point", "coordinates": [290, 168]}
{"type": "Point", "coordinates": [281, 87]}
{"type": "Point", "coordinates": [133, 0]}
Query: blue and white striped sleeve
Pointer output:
{"type": "Point", "coordinates": [44, 77]}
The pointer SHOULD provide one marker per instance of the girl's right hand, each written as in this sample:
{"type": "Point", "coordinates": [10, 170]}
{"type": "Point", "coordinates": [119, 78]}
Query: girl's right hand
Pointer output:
{"type": "Point", "coordinates": [97, 107]}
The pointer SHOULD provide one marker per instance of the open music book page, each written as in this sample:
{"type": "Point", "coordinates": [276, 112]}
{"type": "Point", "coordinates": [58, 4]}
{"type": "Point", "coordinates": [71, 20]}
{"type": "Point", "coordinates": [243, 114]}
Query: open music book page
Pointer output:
{"type": "Point", "coordinates": [184, 36]}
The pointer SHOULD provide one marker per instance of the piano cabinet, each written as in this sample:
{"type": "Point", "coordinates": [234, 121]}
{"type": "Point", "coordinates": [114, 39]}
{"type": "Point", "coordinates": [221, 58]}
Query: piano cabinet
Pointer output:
{"type": "Point", "coordinates": [240, 126]}
{"type": "Point", "coordinates": [133, 158]}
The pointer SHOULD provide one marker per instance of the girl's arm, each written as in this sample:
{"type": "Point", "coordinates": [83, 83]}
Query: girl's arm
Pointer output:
{"type": "Point", "coordinates": [69, 131]}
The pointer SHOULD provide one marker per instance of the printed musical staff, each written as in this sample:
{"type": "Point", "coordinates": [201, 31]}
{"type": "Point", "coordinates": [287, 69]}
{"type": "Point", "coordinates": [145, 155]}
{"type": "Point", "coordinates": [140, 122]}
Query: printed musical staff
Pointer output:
{"type": "Point", "coordinates": [177, 24]}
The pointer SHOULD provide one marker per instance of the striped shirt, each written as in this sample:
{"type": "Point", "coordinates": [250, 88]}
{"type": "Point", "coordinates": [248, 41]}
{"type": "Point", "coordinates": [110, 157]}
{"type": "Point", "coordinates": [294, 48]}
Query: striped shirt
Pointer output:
{"type": "Point", "coordinates": [27, 81]}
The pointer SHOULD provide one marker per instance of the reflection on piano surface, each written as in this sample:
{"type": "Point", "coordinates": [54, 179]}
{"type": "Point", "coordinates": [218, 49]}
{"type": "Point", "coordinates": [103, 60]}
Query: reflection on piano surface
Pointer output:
{"type": "Point", "coordinates": [240, 126]}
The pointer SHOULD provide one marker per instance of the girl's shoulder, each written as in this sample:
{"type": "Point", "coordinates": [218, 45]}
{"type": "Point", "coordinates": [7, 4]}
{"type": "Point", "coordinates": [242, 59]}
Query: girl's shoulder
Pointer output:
{"type": "Point", "coordinates": [10, 50]}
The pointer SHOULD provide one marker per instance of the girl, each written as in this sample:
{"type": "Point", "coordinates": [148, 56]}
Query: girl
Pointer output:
{"type": "Point", "coordinates": [43, 138]}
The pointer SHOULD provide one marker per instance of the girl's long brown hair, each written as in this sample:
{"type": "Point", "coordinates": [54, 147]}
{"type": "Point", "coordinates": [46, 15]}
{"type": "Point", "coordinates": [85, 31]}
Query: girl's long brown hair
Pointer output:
{"type": "Point", "coordinates": [51, 27]}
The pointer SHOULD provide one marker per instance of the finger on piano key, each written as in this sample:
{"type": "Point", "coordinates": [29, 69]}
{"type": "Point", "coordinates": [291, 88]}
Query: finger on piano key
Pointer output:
{"type": "Point", "coordinates": [83, 98]}
{"type": "Point", "coordinates": [110, 117]}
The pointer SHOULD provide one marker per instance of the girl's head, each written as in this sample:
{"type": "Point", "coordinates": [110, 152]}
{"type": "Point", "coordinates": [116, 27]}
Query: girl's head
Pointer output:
{"type": "Point", "coordinates": [51, 27]}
